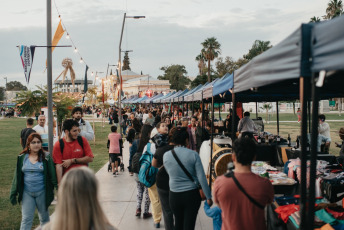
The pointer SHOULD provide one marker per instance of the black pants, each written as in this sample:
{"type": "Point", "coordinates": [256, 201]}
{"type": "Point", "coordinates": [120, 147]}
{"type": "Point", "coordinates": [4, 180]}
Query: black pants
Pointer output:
{"type": "Point", "coordinates": [185, 207]}
{"type": "Point", "coordinates": [166, 209]}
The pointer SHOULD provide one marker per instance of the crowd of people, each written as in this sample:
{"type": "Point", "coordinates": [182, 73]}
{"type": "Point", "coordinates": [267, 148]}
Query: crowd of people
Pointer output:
{"type": "Point", "coordinates": [174, 184]}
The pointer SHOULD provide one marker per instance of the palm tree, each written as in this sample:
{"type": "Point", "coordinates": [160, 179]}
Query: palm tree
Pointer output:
{"type": "Point", "coordinates": [267, 107]}
{"type": "Point", "coordinates": [334, 9]}
{"type": "Point", "coordinates": [31, 102]}
{"type": "Point", "coordinates": [257, 48]}
{"type": "Point", "coordinates": [211, 50]}
{"type": "Point", "coordinates": [201, 63]}
{"type": "Point", "coordinates": [315, 19]}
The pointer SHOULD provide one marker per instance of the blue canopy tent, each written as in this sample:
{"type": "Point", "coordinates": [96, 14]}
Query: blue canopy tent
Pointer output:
{"type": "Point", "coordinates": [190, 97]}
{"type": "Point", "coordinates": [176, 98]}
{"type": "Point", "coordinates": [158, 100]}
{"type": "Point", "coordinates": [168, 99]}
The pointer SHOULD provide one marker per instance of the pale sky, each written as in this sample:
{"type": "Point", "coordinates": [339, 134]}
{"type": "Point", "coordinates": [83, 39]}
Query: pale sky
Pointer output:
{"type": "Point", "coordinates": [171, 33]}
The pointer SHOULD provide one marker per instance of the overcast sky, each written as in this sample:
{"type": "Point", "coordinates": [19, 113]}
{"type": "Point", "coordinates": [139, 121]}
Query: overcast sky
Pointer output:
{"type": "Point", "coordinates": [171, 33]}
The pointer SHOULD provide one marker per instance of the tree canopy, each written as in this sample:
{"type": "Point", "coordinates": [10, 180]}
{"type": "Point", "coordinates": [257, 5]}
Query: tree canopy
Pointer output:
{"type": "Point", "coordinates": [334, 9]}
{"type": "Point", "coordinates": [15, 86]}
{"type": "Point", "coordinates": [176, 74]}
{"type": "Point", "coordinates": [257, 48]}
{"type": "Point", "coordinates": [2, 93]}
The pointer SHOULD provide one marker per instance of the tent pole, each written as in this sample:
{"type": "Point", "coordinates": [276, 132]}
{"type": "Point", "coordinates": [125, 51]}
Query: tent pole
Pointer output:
{"type": "Point", "coordinates": [202, 114]}
{"type": "Point", "coordinates": [211, 142]}
{"type": "Point", "coordinates": [314, 151]}
{"type": "Point", "coordinates": [304, 93]}
{"type": "Point", "coordinates": [278, 128]}
{"type": "Point", "coordinates": [309, 116]}
{"type": "Point", "coordinates": [256, 110]}
{"type": "Point", "coordinates": [192, 108]}
{"type": "Point", "coordinates": [233, 118]}
{"type": "Point", "coordinates": [219, 111]}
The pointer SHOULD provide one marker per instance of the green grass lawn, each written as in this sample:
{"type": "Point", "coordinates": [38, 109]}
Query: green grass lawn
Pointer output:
{"type": "Point", "coordinates": [10, 216]}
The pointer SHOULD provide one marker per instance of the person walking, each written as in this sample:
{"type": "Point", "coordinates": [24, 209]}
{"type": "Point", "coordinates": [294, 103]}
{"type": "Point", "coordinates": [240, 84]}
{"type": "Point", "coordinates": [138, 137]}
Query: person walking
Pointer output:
{"type": "Point", "coordinates": [115, 144]}
{"type": "Point", "coordinates": [33, 182]}
{"type": "Point", "coordinates": [139, 144]}
{"type": "Point", "coordinates": [26, 132]}
{"type": "Point", "coordinates": [243, 208]}
{"type": "Point", "coordinates": [72, 150]}
{"type": "Point", "coordinates": [162, 180]}
{"type": "Point", "coordinates": [158, 140]}
{"type": "Point", "coordinates": [78, 206]}
{"type": "Point", "coordinates": [185, 199]}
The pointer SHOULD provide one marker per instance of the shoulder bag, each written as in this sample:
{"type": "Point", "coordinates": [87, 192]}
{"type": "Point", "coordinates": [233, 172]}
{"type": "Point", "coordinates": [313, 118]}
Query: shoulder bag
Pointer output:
{"type": "Point", "coordinates": [201, 193]}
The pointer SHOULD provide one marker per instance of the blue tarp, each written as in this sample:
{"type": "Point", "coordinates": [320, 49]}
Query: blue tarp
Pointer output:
{"type": "Point", "coordinates": [176, 98]}
{"type": "Point", "coordinates": [219, 87]}
{"type": "Point", "coordinates": [158, 100]}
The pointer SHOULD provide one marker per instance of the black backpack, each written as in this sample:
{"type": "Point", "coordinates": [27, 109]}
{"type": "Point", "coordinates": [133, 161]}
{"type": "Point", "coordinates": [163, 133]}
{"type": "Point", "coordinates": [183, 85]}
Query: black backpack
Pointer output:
{"type": "Point", "coordinates": [135, 162]}
{"type": "Point", "coordinates": [80, 141]}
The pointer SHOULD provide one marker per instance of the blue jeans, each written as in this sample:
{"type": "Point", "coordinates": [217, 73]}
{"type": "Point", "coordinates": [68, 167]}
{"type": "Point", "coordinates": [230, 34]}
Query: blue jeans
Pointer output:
{"type": "Point", "coordinates": [31, 200]}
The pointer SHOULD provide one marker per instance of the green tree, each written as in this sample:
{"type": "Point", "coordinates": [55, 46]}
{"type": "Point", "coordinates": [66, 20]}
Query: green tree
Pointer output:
{"type": "Point", "coordinates": [2, 93]}
{"type": "Point", "coordinates": [211, 50]}
{"type": "Point", "coordinates": [225, 66]}
{"type": "Point", "coordinates": [126, 61]}
{"type": "Point", "coordinates": [257, 48]}
{"type": "Point", "coordinates": [31, 102]}
{"type": "Point", "coordinates": [334, 9]}
{"type": "Point", "coordinates": [176, 74]}
{"type": "Point", "coordinates": [15, 86]}
{"type": "Point", "coordinates": [62, 103]}
{"type": "Point", "coordinates": [201, 63]}
{"type": "Point", "coordinates": [315, 19]}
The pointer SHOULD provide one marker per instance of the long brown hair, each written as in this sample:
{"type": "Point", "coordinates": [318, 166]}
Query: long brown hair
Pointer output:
{"type": "Point", "coordinates": [27, 147]}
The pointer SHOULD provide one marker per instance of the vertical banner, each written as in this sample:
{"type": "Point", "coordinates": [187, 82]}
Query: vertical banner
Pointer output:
{"type": "Point", "coordinates": [85, 82]}
{"type": "Point", "coordinates": [103, 90]}
{"type": "Point", "coordinates": [26, 56]}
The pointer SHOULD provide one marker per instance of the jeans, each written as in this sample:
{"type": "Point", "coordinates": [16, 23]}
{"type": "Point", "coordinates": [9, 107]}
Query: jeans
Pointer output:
{"type": "Point", "coordinates": [166, 209]}
{"type": "Point", "coordinates": [184, 206]}
{"type": "Point", "coordinates": [31, 200]}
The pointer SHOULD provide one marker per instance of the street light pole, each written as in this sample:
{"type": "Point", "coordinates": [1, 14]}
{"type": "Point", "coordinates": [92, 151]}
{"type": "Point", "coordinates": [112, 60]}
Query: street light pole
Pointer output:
{"type": "Point", "coordinates": [120, 70]}
{"type": "Point", "coordinates": [6, 91]}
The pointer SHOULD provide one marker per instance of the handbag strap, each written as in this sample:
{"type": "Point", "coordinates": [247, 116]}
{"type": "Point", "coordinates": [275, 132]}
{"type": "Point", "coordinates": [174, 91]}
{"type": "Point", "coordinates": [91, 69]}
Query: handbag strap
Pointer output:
{"type": "Point", "coordinates": [231, 174]}
{"type": "Point", "coordinates": [182, 166]}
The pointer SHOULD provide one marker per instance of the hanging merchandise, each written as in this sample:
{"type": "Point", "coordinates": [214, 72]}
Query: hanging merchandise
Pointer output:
{"type": "Point", "coordinates": [67, 63]}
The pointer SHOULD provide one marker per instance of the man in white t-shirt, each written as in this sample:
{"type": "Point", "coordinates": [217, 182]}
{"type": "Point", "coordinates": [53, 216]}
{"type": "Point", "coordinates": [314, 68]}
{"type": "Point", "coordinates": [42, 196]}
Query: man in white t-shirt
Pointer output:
{"type": "Point", "coordinates": [42, 129]}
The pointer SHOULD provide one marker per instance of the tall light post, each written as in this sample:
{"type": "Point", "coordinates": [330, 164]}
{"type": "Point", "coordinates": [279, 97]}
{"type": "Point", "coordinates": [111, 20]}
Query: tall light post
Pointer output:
{"type": "Point", "coordinates": [120, 69]}
{"type": "Point", "coordinates": [5, 91]}
{"type": "Point", "coordinates": [96, 77]}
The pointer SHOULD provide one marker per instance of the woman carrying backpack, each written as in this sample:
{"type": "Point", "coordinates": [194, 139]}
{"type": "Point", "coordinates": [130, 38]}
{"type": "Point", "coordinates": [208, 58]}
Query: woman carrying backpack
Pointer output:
{"type": "Point", "coordinates": [184, 196]}
{"type": "Point", "coordinates": [159, 138]}
{"type": "Point", "coordinates": [138, 145]}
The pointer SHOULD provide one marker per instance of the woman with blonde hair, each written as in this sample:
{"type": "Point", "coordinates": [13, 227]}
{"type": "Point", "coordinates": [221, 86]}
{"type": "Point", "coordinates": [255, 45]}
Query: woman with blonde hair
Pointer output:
{"type": "Point", "coordinates": [78, 207]}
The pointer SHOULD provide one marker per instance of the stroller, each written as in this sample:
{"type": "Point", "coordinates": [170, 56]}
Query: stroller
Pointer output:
{"type": "Point", "coordinates": [120, 164]}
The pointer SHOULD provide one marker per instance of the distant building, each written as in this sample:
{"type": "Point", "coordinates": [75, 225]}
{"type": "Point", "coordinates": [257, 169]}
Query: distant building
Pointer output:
{"type": "Point", "coordinates": [67, 86]}
{"type": "Point", "coordinates": [142, 84]}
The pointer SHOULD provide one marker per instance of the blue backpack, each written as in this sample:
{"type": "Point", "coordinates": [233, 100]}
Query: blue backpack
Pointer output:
{"type": "Point", "coordinates": [147, 174]}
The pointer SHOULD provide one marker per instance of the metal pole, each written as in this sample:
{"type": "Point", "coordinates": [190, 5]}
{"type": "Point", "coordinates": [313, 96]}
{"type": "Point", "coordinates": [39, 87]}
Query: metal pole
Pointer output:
{"type": "Point", "coordinates": [202, 114]}
{"type": "Point", "coordinates": [304, 91]}
{"type": "Point", "coordinates": [256, 110]}
{"type": "Point", "coordinates": [49, 79]}
{"type": "Point", "coordinates": [314, 151]}
{"type": "Point", "coordinates": [233, 118]}
{"type": "Point", "coordinates": [120, 77]}
{"type": "Point", "coordinates": [278, 128]}
{"type": "Point", "coordinates": [6, 91]}
{"type": "Point", "coordinates": [211, 142]}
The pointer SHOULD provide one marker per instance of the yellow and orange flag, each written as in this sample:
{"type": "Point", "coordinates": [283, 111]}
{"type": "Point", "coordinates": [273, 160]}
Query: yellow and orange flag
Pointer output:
{"type": "Point", "coordinates": [57, 37]}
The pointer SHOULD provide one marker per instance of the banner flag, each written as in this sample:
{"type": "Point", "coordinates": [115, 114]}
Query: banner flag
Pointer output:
{"type": "Point", "coordinates": [85, 82]}
{"type": "Point", "coordinates": [26, 56]}
{"type": "Point", "coordinates": [57, 36]}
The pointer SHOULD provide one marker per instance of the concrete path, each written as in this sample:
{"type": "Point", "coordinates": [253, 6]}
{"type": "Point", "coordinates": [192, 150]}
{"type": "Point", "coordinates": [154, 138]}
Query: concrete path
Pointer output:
{"type": "Point", "coordinates": [118, 199]}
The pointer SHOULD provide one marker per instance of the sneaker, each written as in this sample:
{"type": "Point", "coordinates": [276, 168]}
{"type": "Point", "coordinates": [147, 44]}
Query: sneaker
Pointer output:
{"type": "Point", "coordinates": [157, 225]}
{"type": "Point", "coordinates": [138, 212]}
{"type": "Point", "coordinates": [147, 215]}
{"type": "Point", "coordinates": [131, 174]}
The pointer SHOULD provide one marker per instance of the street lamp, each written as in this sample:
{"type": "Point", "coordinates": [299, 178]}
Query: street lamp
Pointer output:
{"type": "Point", "coordinates": [120, 69]}
{"type": "Point", "coordinates": [6, 91]}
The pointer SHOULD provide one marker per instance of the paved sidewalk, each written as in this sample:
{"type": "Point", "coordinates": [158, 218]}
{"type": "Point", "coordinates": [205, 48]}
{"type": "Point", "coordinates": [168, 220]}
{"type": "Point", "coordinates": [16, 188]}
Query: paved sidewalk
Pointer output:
{"type": "Point", "coordinates": [118, 198]}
